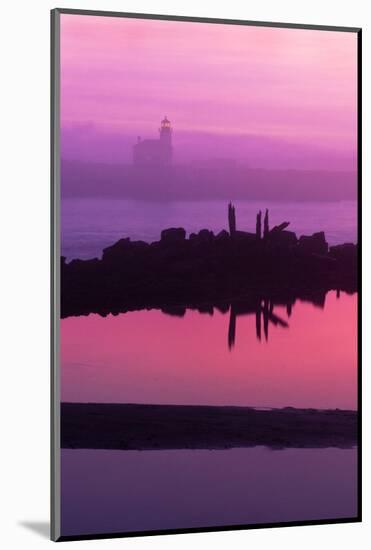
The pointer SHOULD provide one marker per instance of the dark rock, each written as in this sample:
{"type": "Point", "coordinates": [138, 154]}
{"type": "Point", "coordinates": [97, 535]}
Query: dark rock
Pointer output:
{"type": "Point", "coordinates": [139, 245]}
{"type": "Point", "coordinates": [77, 263]}
{"type": "Point", "coordinates": [173, 235]}
{"type": "Point", "coordinates": [205, 269]}
{"type": "Point", "coordinates": [222, 235]}
{"type": "Point", "coordinates": [114, 251]}
{"type": "Point", "coordinates": [313, 244]}
{"type": "Point", "coordinates": [346, 251]}
{"type": "Point", "coordinates": [283, 238]}
{"type": "Point", "coordinates": [205, 236]}
{"type": "Point", "coordinates": [244, 237]}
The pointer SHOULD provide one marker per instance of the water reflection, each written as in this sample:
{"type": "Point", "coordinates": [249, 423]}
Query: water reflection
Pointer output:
{"type": "Point", "coordinates": [264, 350]}
{"type": "Point", "coordinates": [259, 305]}
{"type": "Point", "coordinates": [181, 355]}
{"type": "Point", "coordinates": [263, 309]}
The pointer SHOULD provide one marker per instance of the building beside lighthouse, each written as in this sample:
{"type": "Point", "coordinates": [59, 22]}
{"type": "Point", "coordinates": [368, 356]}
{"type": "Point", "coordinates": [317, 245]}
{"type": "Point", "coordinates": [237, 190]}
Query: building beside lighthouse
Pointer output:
{"type": "Point", "coordinates": [155, 151]}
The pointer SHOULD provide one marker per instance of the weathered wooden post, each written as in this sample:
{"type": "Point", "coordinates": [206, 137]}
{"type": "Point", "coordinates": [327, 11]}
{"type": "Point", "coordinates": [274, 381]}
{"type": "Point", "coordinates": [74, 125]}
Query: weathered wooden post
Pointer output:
{"type": "Point", "coordinates": [266, 224]}
{"type": "Point", "coordinates": [259, 225]}
{"type": "Point", "coordinates": [231, 219]}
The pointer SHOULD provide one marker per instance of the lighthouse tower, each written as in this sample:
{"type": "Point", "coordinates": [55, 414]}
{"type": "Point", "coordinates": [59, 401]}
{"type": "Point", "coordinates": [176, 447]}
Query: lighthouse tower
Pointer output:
{"type": "Point", "coordinates": [165, 139]}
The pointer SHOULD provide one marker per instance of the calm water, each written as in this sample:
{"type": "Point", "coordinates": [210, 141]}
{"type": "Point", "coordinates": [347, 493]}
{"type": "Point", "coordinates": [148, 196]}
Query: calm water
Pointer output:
{"type": "Point", "coordinates": [309, 359]}
{"type": "Point", "coordinates": [108, 491]}
{"type": "Point", "coordinates": [89, 225]}
{"type": "Point", "coordinates": [152, 357]}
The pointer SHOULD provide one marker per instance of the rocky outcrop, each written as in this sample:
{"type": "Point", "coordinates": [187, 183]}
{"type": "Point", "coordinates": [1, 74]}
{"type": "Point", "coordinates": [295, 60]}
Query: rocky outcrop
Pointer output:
{"type": "Point", "coordinates": [345, 253]}
{"type": "Point", "coordinates": [313, 244]}
{"type": "Point", "coordinates": [286, 239]}
{"type": "Point", "coordinates": [202, 237]}
{"type": "Point", "coordinates": [173, 235]}
{"type": "Point", "coordinates": [205, 268]}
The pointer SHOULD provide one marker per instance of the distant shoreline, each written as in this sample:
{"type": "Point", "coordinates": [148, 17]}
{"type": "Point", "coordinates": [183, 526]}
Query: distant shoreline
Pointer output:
{"type": "Point", "coordinates": [151, 427]}
{"type": "Point", "coordinates": [188, 182]}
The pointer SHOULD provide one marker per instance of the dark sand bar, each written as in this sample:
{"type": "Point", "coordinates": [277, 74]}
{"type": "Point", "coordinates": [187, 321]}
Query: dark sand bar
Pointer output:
{"type": "Point", "coordinates": [149, 427]}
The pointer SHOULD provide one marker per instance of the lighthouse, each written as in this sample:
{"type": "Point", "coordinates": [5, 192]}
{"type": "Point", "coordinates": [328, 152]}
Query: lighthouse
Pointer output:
{"type": "Point", "coordinates": [155, 151]}
{"type": "Point", "coordinates": [165, 132]}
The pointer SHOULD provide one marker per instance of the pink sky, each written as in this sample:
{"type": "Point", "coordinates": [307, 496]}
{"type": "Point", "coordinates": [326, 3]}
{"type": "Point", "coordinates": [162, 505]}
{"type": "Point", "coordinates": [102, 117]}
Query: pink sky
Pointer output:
{"type": "Point", "coordinates": [120, 76]}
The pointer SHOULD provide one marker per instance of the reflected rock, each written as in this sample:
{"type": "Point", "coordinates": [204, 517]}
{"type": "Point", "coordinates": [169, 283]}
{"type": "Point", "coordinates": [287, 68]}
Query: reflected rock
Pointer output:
{"type": "Point", "coordinates": [175, 311]}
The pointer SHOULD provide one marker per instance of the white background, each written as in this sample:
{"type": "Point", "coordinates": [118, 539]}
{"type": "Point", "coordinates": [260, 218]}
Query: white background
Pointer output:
{"type": "Point", "coordinates": [24, 273]}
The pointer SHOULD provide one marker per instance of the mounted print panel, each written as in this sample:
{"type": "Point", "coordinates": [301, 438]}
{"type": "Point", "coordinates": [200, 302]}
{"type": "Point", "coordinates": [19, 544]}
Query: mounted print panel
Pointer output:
{"type": "Point", "coordinates": [206, 191]}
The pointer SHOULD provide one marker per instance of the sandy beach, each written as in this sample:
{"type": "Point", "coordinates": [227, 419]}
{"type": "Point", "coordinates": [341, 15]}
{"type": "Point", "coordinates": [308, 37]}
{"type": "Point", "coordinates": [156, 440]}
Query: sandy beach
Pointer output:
{"type": "Point", "coordinates": [144, 427]}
